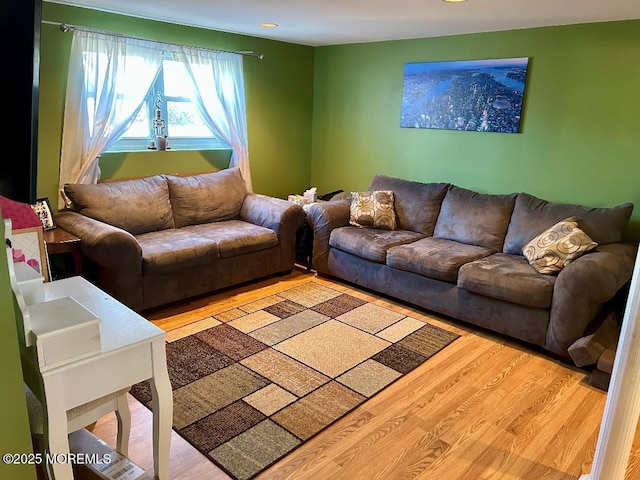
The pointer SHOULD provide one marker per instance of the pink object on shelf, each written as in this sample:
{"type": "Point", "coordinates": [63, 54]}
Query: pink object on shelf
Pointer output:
{"type": "Point", "coordinates": [18, 255]}
{"type": "Point", "coordinates": [21, 214]}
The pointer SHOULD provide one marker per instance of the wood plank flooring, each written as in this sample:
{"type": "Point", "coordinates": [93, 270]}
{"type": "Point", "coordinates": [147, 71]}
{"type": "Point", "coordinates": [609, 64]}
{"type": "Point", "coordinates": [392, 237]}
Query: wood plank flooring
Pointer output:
{"type": "Point", "coordinates": [483, 408]}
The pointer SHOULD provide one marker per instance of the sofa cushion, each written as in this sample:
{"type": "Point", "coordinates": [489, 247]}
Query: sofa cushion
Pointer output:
{"type": "Point", "coordinates": [208, 197]}
{"type": "Point", "coordinates": [235, 237]}
{"type": "Point", "coordinates": [509, 278]}
{"type": "Point", "coordinates": [370, 243]}
{"type": "Point", "coordinates": [532, 216]}
{"type": "Point", "coordinates": [474, 218]}
{"type": "Point", "coordinates": [174, 250]}
{"type": "Point", "coordinates": [558, 246]}
{"type": "Point", "coordinates": [417, 204]}
{"type": "Point", "coordinates": [137, 206]}
{"type": "Point", "coordinates": [436, 258]}
{"type": "Point", "coordinates": [373, 209]}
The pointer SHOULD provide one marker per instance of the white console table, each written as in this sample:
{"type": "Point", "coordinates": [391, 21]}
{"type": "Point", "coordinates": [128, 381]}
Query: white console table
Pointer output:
{"type": "Point", "coordinates": [132, 350]}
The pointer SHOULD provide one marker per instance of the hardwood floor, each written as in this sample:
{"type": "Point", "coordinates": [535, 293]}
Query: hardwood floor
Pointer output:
{"type": "Point", "coordinates": [483, 408]}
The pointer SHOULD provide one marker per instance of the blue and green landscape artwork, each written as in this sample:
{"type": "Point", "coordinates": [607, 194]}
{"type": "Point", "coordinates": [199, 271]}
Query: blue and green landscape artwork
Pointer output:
{"type": "Point", "coordinates": [479, 95]}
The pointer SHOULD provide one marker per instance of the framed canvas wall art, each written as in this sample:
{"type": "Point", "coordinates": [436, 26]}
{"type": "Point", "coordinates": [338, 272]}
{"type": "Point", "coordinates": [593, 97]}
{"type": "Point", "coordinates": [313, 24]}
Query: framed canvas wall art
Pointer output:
{"type": "Point", "coordinates": [477, 95]}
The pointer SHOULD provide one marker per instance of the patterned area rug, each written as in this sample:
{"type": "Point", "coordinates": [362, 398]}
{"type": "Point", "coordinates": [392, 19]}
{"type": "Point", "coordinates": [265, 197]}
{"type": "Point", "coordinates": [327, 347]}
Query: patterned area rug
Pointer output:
{"type": "Point", "coordinates": [253, 383]}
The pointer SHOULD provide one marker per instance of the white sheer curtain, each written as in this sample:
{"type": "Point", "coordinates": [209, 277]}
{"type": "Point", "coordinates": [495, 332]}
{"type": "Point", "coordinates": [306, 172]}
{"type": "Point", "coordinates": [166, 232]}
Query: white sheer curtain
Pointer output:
{"type": "Point", "coordinates": [219, 96]}
{"type": "Point", "coordinates": [109, 76]}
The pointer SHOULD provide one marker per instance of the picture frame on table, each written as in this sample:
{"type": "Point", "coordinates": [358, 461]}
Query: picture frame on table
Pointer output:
{"type": "Point", "coordinates": [42, 207]}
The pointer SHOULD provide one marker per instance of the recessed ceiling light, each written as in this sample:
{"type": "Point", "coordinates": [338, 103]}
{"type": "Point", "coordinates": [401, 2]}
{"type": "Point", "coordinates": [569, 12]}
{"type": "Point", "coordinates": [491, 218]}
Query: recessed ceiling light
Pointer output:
{"type": "Point", "coordinates": [268, 25]}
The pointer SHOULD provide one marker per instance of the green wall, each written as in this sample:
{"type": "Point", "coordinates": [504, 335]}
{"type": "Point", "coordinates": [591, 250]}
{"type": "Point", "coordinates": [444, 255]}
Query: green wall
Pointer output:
{"type": "Point", "coordinates": [329, 116]}
{"type": "Point", "coordinates": [580, 139]}
{"type": "Point", "coordinates": [278, 89]}
{"type": "Point", "coordinates": [14, 428]}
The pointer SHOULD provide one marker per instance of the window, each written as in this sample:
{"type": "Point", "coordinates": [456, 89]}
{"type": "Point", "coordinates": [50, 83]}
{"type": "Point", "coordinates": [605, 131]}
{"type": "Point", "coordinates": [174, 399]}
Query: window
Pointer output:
{"type": "Point", "coordinates": [184, 125]}
{"type": "Point", "coordinates": [112, 76]}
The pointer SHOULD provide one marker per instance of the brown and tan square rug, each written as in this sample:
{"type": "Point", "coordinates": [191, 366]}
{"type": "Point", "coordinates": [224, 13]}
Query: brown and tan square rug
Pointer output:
{"type": "Point", "coordinates": [253, 383]}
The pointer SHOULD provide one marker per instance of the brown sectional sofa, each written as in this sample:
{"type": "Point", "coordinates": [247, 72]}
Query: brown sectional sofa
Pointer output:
{"type": "Point", "coordinates": [159, 239]}
{"type": "Point", "coordinates": [459, 253]}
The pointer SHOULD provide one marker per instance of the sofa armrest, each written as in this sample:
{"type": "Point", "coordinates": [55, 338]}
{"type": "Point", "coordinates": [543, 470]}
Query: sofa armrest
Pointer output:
{"type": "Point", "coordinates": [323, 217]}
{"type": "Point", "coordinates": [105, 244]}
{"type": "Point", "coordinates": [279, 215]}
{"type": "Point", "coordinates": [581, 290]}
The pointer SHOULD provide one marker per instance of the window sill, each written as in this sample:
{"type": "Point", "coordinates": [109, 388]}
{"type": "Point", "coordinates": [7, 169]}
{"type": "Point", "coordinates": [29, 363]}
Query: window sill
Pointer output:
{"type": "Point", "coordinates": [169, 149]}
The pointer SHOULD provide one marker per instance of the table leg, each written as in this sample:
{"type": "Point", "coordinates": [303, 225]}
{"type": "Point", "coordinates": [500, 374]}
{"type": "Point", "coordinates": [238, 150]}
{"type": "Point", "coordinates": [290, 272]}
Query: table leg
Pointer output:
{"type": "Point", "coordinates": [77, 259]}
{"type": "Point", "coordinates": [162, 405]}
{"type": "Point", "coordinates": [55, 436]}
{"type": "Point", "coordinates": [123, 417]}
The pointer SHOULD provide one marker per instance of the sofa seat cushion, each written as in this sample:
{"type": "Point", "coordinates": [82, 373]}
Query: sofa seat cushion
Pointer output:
{"type": "Point", "coordinates": [173, 250]}
{"type": "Point", "coordinates": [509, 278]}
{"type": "Point", "coordinates": [370, 243]}
{"type": "Point", "coordinates": [207, 197]}
{"type": "Point", "coordinates": [475, 218]}
{"type": "Point", "coordinates": [137, 206]}
{"type": "Point", "coordinates": [436, 258]}
{"type": "Point", "coordinates": [235, 237]}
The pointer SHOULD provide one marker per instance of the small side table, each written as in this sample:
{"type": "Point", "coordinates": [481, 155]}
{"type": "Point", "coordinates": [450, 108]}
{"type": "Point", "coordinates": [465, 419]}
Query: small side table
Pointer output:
{"type": "Point", "coordinates": [304, 235]}
{"type": "Point", "coordinates": [304, 242]}
{"type": "Point", "coordinates": [61, 241]}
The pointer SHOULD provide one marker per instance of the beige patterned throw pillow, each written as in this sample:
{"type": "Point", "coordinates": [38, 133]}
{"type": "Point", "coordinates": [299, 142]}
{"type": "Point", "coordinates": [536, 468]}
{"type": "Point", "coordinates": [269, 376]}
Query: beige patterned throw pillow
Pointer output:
{"type": "Point", "coordinates": [373, 209]}
{"type": "Point", "coordinates": [558, 246]}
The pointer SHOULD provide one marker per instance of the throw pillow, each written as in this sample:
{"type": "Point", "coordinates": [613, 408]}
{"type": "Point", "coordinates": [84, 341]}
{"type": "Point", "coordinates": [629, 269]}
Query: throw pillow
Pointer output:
{"type": "Point", "coordinates": [558, 246]}
{"type": "Point", "coordinates": [373, 209]}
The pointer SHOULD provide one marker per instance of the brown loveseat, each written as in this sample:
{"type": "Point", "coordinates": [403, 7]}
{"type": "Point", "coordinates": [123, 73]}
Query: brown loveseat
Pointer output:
{"type": "Point", "coordinates": [460, 253]}
{"type": "Point", "coordinates": [159, 239]}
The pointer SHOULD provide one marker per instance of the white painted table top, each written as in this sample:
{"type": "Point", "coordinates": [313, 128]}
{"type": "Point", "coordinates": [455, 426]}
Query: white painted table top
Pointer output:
{"type": "Point", "coordinates": [119, 325]}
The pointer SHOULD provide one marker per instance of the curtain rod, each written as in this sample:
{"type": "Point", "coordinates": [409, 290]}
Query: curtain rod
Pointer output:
{"type": "Point", "coordinates": [65, 27]}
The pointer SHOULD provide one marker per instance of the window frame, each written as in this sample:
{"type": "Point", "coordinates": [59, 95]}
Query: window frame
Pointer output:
{"type": "Point", "coordinates": [136, 144]}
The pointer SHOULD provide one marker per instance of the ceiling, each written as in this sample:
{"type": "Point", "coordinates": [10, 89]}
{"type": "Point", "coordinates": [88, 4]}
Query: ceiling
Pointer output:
{"type": "Point", "coordinates": [333, 22]}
